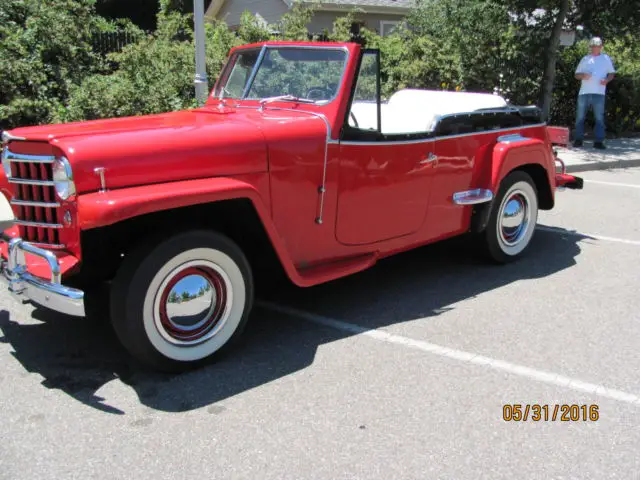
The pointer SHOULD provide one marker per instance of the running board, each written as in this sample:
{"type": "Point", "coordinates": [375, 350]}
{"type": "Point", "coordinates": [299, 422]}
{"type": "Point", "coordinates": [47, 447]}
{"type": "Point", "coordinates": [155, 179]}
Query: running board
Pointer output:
{"type": "Point", "coordinates": [330, 271]}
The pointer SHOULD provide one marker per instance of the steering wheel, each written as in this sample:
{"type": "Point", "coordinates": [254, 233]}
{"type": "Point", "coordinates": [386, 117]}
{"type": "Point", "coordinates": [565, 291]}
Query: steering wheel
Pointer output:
{"type": "Point", "coordinates": [319, 91]}
{"type": "Point", "coordinates": [351, 115]}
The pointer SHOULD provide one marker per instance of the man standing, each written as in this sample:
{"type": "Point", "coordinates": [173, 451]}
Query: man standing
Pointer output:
{"type": "Point", "coordinates": [595, 71]}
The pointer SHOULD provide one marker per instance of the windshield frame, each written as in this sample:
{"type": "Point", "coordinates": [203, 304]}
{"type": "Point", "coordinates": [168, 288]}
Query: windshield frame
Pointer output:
{"type": "Point", "coordinates": [218, 92]}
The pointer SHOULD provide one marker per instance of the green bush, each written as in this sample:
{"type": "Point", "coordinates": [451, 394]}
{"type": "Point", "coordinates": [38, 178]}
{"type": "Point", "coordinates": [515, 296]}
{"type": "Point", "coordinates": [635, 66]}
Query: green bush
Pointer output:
{"type": "Point", "coordinates": [53, 74]}
{"type": "Point", "coordinates": [45, 48]}
{"type": "Point", "coordinates": [153, 75]}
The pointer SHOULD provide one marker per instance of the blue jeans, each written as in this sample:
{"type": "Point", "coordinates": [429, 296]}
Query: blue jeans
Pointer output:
{"type": "Point", "coordinates": [597, 103]}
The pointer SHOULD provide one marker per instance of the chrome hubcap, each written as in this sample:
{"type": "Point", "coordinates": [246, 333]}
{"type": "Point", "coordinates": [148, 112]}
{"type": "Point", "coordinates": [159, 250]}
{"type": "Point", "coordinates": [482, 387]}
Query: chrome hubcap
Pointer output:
{"type": "Point", "coordinates": [190, 302]}
{"type": "Point", "coordinates": [192, 305]}
{"type": "Point", "coordinates": [514, 218]}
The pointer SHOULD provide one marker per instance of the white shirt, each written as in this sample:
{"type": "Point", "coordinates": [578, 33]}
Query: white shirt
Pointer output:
{"type": "Point", "coordinates": [599, 67]}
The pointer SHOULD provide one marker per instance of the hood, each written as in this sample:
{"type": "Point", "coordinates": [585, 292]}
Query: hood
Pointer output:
{"type": "Point", "coordinates": [149, 149]}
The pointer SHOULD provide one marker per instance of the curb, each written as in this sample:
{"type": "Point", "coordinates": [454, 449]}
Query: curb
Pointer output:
{"type": "Point", "coordinates": [606, 165]}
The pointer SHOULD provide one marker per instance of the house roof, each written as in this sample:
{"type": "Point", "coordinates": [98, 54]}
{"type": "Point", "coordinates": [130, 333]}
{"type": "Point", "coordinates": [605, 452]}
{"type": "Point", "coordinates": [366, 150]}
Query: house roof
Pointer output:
{"type": "Point", "coordinates": [371, 6]}
{"type": "Point", "coordinates": [372, 3]}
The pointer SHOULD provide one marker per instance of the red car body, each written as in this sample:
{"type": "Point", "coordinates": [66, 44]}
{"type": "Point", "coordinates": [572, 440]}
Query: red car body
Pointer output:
{"type": "Point", "coordinates": [329, 207]}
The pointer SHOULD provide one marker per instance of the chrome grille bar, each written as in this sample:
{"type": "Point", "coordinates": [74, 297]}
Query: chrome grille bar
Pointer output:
{"type": "Point", "coordinates": [36, 206]}
{"type": "Point", "coordinates": [24, 158]}
{"type": "Point", "coordinates": [37, 224]}
{"type": "Point", "coordinates": [29, 203]}
{"type": "Point", "coordinates": [53, 246]}
{"type": "Point", "coordinates": [24, 181]}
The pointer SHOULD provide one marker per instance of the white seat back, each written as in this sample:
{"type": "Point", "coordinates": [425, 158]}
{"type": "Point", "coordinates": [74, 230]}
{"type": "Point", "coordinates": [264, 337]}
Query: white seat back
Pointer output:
{"type": "Point", "coordinates": [417, 111]}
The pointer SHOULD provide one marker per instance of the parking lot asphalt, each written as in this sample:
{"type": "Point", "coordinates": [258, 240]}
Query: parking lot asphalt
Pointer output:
{"type": "Point", "coordinates": [402, 371]}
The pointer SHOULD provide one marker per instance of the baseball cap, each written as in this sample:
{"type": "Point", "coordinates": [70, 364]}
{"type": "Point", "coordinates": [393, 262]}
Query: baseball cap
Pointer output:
{"type": "Point", "coordinates": [595, 42]}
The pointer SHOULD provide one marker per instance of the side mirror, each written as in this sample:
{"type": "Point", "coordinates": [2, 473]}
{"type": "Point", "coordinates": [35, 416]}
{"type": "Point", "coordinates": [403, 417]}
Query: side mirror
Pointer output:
{"type": "Point", "coordinates": [6, 214]}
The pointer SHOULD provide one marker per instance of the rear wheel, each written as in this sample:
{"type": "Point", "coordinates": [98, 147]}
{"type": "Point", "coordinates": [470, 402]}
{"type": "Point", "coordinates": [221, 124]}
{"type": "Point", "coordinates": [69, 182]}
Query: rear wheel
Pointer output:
{"type": "Point", "coordinates": [179, 302]}
{"type": "Point", "coordinates": [513, 218]}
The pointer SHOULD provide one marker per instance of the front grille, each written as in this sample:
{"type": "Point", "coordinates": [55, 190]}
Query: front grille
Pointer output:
{"type": "Point", "coordinates": [36, 207]}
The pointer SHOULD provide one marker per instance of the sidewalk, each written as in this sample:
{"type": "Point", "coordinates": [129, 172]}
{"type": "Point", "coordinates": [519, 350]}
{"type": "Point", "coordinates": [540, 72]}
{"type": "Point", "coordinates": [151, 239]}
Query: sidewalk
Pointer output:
{"type": "Point", "coordinates": [620, 153]}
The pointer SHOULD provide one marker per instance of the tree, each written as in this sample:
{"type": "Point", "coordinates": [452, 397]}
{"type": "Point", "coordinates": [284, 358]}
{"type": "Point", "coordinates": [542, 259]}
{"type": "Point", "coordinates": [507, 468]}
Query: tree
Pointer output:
{"type": "Point", "coordinates": [45, 48]}
{"type": "Point", "coordinates": [601, 17]}
{"type": "Point", "coordinates": [152, 75]}
{"type": "Point", "coordinates": [607, 18]}
{"type": "Point", "coordinates": [551, 55]}
{"type": "Point", "coordinates": [142, 12]}
{"type": "Point", "coordinates": [455, 43]}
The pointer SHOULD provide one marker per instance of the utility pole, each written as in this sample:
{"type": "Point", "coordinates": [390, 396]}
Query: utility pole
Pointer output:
{"type": "Point", "coordinates": [201, 82]}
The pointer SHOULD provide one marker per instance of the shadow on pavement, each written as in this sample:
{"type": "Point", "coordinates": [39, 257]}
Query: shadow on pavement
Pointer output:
{"type": "Point", "coordinates": [79, 356]}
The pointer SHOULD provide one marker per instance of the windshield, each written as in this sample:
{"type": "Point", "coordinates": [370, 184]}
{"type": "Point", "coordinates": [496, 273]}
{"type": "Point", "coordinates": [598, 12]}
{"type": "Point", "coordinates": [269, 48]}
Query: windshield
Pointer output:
{"type": "Point", "coordinates": [305, 73]}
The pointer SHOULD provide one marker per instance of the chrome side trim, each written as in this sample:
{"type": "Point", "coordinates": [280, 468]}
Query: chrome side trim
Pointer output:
{"type": "Point", "coordinates": [37, 224]}
{"type": "Point", "coordinates": [441, 137]}
{"type": "Point", "coordinates": [24, 158]}
{"type": "Point", "coordinates": [472, 197]}
{"type": "Point", "coordinates": [29, 203]}
{"type": "Point", "coordinates": [512, 138]}
{"type": "Point", "coordinates": [24, 181]}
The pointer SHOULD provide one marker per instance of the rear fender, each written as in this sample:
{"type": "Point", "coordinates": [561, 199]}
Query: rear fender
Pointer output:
{"type": "Point", "coordinates": [509, 155]}
{"type": "Point", "coordinates": [101, 209]}
{"type": "Point", "coordinates": [512, 152]}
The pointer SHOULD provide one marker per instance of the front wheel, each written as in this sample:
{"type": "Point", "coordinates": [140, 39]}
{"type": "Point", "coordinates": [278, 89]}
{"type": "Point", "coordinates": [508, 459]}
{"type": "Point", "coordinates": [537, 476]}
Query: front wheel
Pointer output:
{"type": "Point", "coordinates": [177, 302]}
{"type": "Point", "coordinates": [513, 218]}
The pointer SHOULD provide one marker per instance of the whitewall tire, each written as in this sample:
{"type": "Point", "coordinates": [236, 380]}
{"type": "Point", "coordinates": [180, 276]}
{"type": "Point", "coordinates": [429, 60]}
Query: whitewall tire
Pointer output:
{"type": "Point", "coordinates": [179, 302]}
{"type": "Point", "coordinates": [513, 218]}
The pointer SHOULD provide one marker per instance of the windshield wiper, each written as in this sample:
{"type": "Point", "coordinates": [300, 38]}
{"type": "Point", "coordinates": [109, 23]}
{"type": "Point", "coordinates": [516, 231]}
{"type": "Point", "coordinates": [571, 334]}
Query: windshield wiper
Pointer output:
{"type": "Point", "coordinates": [287, 98]}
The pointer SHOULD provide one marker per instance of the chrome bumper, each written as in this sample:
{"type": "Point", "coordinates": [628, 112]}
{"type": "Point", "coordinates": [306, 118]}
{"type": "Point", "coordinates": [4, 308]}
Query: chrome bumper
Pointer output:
{"type": "Point", "coordinates": [25, 287]}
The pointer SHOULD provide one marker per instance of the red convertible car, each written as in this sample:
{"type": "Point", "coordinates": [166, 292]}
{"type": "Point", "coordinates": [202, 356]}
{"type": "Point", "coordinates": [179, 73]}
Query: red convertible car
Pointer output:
{"type": "Point", "coordinates": [295, 162]}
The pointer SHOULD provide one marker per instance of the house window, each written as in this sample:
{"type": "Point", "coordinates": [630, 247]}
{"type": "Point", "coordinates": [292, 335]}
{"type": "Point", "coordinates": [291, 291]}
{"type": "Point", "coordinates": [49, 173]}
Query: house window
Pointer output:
{"type": "Point", "coordinates": [387, 27]}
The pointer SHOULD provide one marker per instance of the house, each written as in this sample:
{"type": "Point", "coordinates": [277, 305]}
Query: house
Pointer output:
{"type": "Point", "coordinates": [380, 16]}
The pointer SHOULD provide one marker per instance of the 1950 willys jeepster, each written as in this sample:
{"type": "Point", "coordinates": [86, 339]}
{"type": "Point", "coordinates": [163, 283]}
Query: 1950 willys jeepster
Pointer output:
{"type": "Point", "coordinates": [294, 157]}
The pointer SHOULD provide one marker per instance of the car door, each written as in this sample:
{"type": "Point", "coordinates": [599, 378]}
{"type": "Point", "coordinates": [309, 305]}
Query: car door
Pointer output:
{"type": "Point", "coordinates": [383, 190]}
{"type": "Point", "coordinates": [384, 181]}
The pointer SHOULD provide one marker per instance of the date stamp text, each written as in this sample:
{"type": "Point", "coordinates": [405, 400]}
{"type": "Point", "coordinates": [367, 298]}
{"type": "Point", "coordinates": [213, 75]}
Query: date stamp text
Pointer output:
{"type": "Point", "coordinates": [535, 412]}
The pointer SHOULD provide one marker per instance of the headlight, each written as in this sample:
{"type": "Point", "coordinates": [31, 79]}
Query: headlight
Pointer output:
{"type": "Point", "coordinates": [6, 166]}
{"type": "Point", "coordinates": [63, 178]}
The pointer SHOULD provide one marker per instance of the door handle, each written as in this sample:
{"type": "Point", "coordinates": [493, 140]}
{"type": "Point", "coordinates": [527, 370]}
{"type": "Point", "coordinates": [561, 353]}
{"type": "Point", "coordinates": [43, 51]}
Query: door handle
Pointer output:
{"type": "Point", "coordinates": [431, 158]}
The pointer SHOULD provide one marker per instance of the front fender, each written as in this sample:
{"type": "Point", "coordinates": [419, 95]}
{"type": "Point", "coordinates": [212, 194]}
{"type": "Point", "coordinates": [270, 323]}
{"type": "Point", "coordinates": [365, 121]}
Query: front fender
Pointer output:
{"type": "Point", "coordinates": [100, 209]}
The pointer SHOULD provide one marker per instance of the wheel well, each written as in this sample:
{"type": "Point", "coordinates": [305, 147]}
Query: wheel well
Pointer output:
{"type": "Point", "coordinates": [103, 248]}
{"type": "Point", "coordinates": [480, 213]}
{"type": "Point", "coordinates": [539, 176]}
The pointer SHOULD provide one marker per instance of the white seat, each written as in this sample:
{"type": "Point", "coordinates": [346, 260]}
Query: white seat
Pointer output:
{"type": "Point", "coordinates": [417, 111]}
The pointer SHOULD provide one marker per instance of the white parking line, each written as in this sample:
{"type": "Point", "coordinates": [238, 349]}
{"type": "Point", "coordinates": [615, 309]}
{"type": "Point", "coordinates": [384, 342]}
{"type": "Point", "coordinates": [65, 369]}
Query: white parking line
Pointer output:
{"type": "Point", "coordinates": [546, 228]}
{"type": "Point", "coordinates": [467, 357]}
{"type": "Point", "coordinates": [613, 184]}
